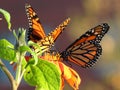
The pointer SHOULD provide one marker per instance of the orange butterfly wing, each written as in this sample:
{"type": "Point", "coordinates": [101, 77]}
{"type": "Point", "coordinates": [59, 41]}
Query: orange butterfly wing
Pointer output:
{"type": "Point", "coordinates": [84, 55]}
{"type": "Point", "coordinates": [94, 35]}
{"type": "Point", "coordinates": [86, 49]}
{"type": "Point", "coordinates": [36, 31]}
{"type": "Point", "coordinates": [55, 33]}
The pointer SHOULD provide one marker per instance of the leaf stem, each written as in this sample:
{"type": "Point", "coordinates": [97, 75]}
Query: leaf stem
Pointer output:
{"type": "Point", "coordinates": [9, 75]}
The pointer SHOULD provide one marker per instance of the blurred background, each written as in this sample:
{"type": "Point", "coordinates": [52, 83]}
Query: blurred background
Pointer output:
{"type": "Point", "coordinates": [84, 14]}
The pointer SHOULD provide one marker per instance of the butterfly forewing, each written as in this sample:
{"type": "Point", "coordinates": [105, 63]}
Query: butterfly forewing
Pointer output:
{"type": "Point", "coordinates": [93, 35]}
{"type": "Point", "coordinates": [55, 33]}
{"type": "Point", "coordinates": [36, 31]}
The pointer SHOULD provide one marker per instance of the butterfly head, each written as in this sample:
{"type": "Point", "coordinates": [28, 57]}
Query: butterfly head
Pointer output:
{"type": "Point", "coordinates": [65, 54]}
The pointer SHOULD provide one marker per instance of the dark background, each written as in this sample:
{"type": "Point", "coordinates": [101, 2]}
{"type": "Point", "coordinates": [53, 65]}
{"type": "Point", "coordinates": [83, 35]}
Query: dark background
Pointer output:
{"type": "Point", "coordinates": [84, 14]}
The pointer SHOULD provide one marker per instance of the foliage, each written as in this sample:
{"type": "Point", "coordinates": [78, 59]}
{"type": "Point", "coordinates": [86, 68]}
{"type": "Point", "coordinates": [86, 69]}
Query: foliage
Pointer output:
{"type": "Point", "coordinates": [7, 16]}
{"type": "Point", "coordinates": [7, 50]}
{"type": "Point", "coordinates": [44, 75]}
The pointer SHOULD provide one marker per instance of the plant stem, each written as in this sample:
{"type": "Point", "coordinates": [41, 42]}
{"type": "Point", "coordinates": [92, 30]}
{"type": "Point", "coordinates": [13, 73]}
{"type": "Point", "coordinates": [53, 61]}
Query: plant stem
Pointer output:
{"type": "Point", "coordinates": [22, 74]}
{"type": "Point", "coordinates": [18, 71]}
{"type": "Point", "coordinates": [9, 75]}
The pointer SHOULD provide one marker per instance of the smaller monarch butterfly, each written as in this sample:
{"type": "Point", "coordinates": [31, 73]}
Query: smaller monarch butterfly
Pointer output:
{"type": "Point", "coordinates": [46, 42]}
{"type": "Point", "coordinates": [86, 49]}
{"type": "Point", "coordinates": [36, 31]}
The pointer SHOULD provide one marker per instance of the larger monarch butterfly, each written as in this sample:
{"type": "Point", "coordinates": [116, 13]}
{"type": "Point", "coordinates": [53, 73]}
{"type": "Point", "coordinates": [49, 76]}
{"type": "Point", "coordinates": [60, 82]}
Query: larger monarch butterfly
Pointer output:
{"type": "Point", "coordinates": [36, 32]}
{"type": "Point", "coordinates": [86, 49]}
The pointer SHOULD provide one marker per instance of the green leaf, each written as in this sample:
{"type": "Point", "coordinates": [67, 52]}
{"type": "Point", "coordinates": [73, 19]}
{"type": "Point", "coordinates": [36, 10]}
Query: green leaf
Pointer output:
{"type": "Point", "coordinates": [24, 63]}
{"type": "Point", "coordinates": [24, 48]}
{"type": "Point", "coordinates": [7, 51]}
{"type": "Point", "coordinates": [45, 76]}
{"type": "Point", "coordinates": [7, 17]}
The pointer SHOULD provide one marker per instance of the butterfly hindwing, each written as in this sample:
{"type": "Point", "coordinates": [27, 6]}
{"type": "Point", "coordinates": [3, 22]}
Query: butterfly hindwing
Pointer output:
{"type": "Point", "coordinates": [84, 55]}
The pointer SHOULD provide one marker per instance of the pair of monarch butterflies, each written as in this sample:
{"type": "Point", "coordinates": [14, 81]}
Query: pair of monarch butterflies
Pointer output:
{"type": "Point", "coordinates": [84, 51]}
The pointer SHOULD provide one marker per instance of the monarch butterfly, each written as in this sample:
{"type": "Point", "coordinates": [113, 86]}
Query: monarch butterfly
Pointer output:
{"type": "Point", "coordinates": [86, 49]}
{"type": "Point", "coordinates": [36, 32]}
